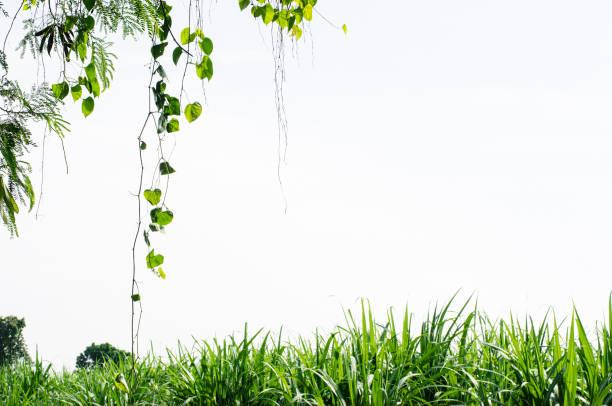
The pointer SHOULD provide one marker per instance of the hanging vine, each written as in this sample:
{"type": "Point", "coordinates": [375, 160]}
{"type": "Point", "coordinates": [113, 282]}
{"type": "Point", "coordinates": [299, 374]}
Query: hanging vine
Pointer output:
{"type": "Point", "coordinates": [68, 30]}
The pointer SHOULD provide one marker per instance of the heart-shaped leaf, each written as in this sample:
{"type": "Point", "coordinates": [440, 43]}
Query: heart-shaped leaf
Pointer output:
{"type": "Point", "coordinates": [60, 90]}
{"type": "Point", "coordinates": [193, 111]}
{"type": "Point", "coordinates": [153, 196]}
{"type": "Point", "coordinates": [173, 126]}
{"type": "Point", "coordinates": [164, 217]}
{"type": "Point", "coordinates": [165, 168]}
{"type": "Point", "coordinates": [88, 106]}
{"type": "Point", "coordinates": [206, 45]}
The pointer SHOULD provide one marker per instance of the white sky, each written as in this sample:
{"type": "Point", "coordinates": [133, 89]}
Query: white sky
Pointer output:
{"type": "Point", "coordinates": [441, 145]}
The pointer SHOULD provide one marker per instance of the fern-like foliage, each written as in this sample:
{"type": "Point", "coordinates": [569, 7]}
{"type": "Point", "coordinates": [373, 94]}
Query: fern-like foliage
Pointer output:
{"type": "Point", "coordinates": [66, 32]}
{"type": "Point", "coordinates": [17, 109]}
{"type": "Point", "coordinates": [102, 59]}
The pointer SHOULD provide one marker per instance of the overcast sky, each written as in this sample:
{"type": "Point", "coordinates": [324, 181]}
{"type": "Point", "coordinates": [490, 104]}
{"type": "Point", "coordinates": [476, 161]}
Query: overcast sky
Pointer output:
{"type": "Point", "coordinates": [441, 145]}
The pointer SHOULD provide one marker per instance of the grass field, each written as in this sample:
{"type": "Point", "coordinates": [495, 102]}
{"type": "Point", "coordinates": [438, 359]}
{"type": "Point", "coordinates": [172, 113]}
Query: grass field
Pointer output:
{"type": "Point", "coordinates": [456, 356]}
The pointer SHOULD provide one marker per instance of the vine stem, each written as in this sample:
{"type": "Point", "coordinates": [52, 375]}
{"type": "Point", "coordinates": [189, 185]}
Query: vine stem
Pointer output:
{"type": "Point", "coordinates": [135, 290]}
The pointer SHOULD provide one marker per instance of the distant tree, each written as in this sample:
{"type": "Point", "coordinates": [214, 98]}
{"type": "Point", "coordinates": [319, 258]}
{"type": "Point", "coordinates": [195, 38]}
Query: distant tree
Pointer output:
{"type": "Point", "coordinates": [12, 344]}
{"type": "Point", "coordinates": [98, 354]}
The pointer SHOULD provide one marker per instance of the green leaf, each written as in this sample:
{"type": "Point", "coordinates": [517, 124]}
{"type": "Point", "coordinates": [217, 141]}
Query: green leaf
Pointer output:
{"type": "Point", "coordinates": [283, 18]}
{"type": "Point", "coordinates": [89, 4]}
{"type": "Point", "coordinates": [243, 4]}
{"type": "Point", "coordinates": [89, 23]}
{"type": "Point", "coordinates": [88, 106]}
{"type": "Point", "coordinates": [205, 68]}
{"type": "Point", "coordinates": [90, 71]}
{"type": "Point", "coordinates": [154, 260]}
{"type": "Point", "coordinates": [172, 126]}
{"type": "Point", "coordinates": [297, 31]}
{"type": "Point", "coordinates": [176, 54]}
{"type": "Point", "coordinates": [158, 50]}
{"type": "Point", "coordinates": [344, 28]}
{"type": "Point", "coordinates": [174, 106]}
{"type": "Point", "coordinates": [153, 196]}
{"type": "Point", "coordinates": [154, 227]}
{"type": "Point", "coordinates": [165, 168]}
{"type": "Point", "coordinates": [145, 234]}
{"type": "Point", "coordinates": [160, 273]}
{"type": "Point", "coordinates": [60, 90]}
{"type": "Point", "coordinates": [143, 145]}
{"type": "Point", "coordinates": [70, 22]}
{"type": "Point", "coordinates": [161, 218]}
{"type": "Point", "coordinates": [135, 298]}
{"type": "Point", "coordinates": [164, 217]}
{"type": "Point", "coordinates": [82, 50]}
{"type": "Point", "coordinates": [161, 123]}
{"type": "Point", "coordinates": [193, 111]}
{"type": "Point", "coordinates": [185, 38]}
{"type": "Point", "coordinates": [76, 92]}
{"type": "Point", "coordinates": [206, 45]}
{"type": "Point", "coordinates": [161, 72]}
{"type": "Point", "coordinates": [268, 14]}
{"type": "Point", "coordinates": [308, 12]}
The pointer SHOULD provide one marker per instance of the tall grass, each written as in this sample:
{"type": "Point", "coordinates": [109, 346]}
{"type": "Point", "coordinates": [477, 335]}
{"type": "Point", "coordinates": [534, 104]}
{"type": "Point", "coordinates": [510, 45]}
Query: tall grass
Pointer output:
{"type": "Point", "coordinates": [457, 355]}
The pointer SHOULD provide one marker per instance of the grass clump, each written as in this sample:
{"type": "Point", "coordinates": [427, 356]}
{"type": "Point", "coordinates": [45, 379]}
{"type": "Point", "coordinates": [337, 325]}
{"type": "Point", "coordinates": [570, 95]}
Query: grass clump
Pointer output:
{"type": "Point", "coordinates": [453, 357]}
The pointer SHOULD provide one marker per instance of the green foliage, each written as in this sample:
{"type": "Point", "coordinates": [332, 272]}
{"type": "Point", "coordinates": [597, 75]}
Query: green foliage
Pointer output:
{"type": "Point", "coordinates": [153, 196]}
{"type": "Point", "coordinates": [193, 111]}
{"type": "Point", "coordinates": [17, 110]}
{"type": "Point", "coordinates": [12, 344]}
{"type": "Point", "coordinates": [99, 354]}
{"type": "Point", "coordinates": [455, 356]}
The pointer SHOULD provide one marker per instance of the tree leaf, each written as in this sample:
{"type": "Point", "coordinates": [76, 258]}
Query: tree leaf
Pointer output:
{"type": "Point", "coordinates": [206, 45]}
{"type": "Point", "coordinates": [165, 168]}
{"type": "Point", "coordinates": [76, 92]}
{"type": "Point", "coordinates": [164, 217]}
{"type": "Point", "coordinates": [160, 273]}
{"type": "Point", "coordinates": [243, 4]}
{"type": "Point", "coordinates": [89, 4]}
{"type": "Point", "coordinates": [344, 28]}
{"type": "Point", "coordinates": [154, 260]}
{"type": "Point", "coordinates": [161, 72]}
{"type": "Point", "coordinates": [60, 90]}
{"type": "Point", "coordinates": [153, 196]}
{"type": "Point", "coordinates": [308, 12]}
{"type": "Point", "coordinates": [143, 145]}
{"type": "Point", "coordinates": [268, 14]}
{"type": "Point", "coordinates": [161, 123]}
{"type": "Point", "coordinates": [297, 31]}
{"type": "Point", "coordinates": [185, 38]}
{"type": "Point", "coordinates": [158, 50]}
{"type": "Point", "coordinates": [176, 54]}
{"type": "Point", "coordinates": [88, 106]}
{"type": "Point", "coordinates": [205, 68]}
{"type": "Point", "coordinates": [89, 24]}
{"type": "Point", "coordinates": [193, 111]}
{"type": "Point", "coordinates": [172, 126]}
{"type": "Point", "coordinates": [173, 108]}
{"type": "Point", "coordinates": [135, 298]}
{"type": "Point", "coordinates": [70, 22]}
{"type": "Point", "coordinates": [92, 78]}
{"type": "Point", "coordinates": [82, 50]}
